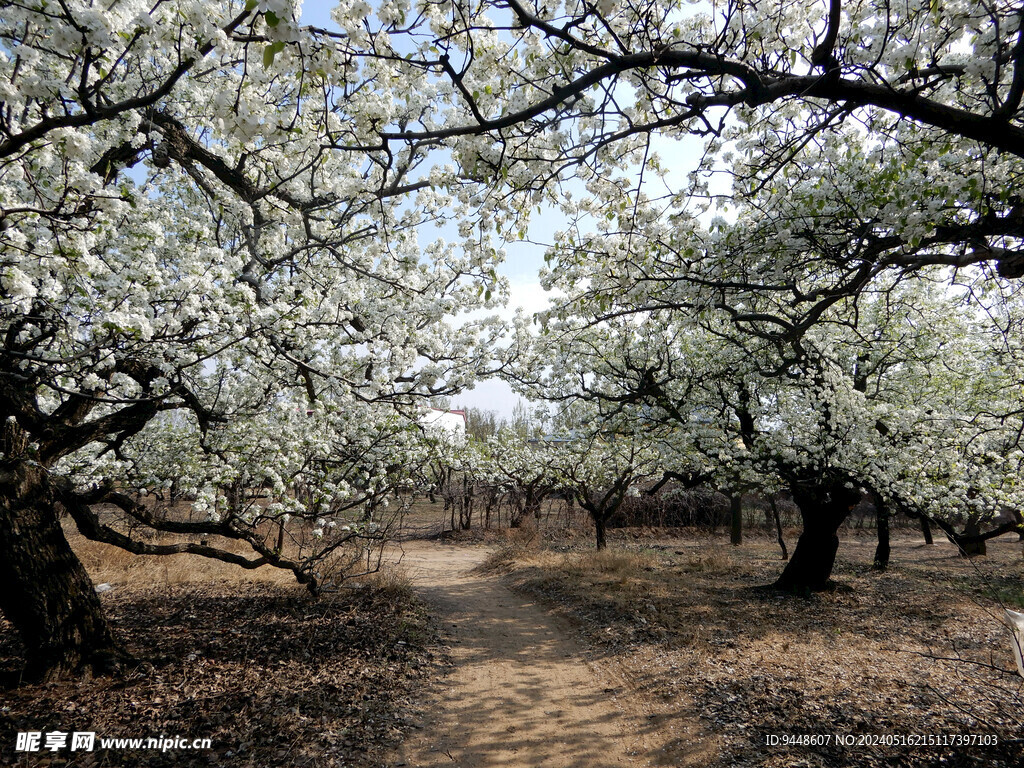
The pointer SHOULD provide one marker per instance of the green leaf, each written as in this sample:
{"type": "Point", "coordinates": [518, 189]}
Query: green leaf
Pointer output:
{"type": "Point", "coordinates": [272, 19]}
{"type": "Point", "coordinates": [271, 51]}
{"type": "Point", "coordinates": [251, 4]}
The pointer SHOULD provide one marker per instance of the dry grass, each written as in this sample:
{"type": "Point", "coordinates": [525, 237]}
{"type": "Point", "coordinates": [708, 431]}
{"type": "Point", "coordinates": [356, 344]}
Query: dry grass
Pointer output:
{"type": "Point", "coordinates": [391, 581]}
{"type": "Point", "coordinates": [503, 560]}
{"type": "Point", "coordinates": [112, 565]}
{"type": "Point", "coordinates": [625, 566]}
{"type": "Point", "coordinates": [916, 650]}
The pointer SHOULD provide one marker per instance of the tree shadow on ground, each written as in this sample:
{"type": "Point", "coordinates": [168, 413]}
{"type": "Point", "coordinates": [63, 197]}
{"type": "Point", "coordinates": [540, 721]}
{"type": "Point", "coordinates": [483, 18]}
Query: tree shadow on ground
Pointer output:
{"type": "Point", "coordinates": [269, 675]}
{"type": "Point", "coordinates": [915, 650]}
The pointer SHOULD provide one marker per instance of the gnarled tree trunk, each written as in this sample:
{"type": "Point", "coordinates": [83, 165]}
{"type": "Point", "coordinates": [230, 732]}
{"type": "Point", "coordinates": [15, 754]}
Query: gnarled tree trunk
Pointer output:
{"type": "Point", "coordinates": [44, 590]}
{"type": "Point", "coordinates": [971, 544]}
{"type": "Point", "coordinates": [823, 508]}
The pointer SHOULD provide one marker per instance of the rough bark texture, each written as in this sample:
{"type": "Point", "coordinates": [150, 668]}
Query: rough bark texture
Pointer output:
{"type": "Point", "coordinates": [44, 590]}
{"type": "Point", "coordinates": [599, 526]}
{"type": "Point", "coordinates": [883, 549]}
{"type": "Point", "coordinates": [823, 509]}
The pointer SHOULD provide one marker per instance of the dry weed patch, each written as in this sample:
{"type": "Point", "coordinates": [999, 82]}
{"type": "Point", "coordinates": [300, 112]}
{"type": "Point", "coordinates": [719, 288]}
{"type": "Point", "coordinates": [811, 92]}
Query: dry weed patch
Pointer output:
{"type": "Point", "coordinates": [112, 565]}
{"type": "Point", "coordinates": [915, 651]}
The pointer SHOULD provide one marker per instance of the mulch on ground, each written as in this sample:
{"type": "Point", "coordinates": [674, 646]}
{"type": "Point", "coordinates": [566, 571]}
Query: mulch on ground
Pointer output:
{"type": "Point", "coordinates": [271, 676]}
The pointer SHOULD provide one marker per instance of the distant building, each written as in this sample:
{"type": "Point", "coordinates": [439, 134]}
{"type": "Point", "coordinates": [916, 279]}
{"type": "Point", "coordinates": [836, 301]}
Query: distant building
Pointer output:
{"type": "Point", "coordinates": [440, 421]}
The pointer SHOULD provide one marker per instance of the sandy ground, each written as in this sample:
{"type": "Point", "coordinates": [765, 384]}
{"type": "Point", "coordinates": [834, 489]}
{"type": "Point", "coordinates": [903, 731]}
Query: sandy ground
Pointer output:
{"type": "Point", "coordinates": [521, 690]}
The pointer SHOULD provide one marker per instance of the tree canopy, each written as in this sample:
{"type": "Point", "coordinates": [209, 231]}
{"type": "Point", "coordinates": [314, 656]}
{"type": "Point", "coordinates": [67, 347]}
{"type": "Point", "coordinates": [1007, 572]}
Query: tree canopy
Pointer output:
{"type": "Point", "coordinates": [221, 267]}
{"type": "Point", "coordinates": [206, 287]}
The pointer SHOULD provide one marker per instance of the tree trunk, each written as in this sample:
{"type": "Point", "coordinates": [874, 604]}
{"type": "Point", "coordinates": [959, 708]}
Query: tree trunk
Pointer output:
{"type": "Point", "coordinates": [822, 509]}
{"type": "Point", "coordinates": [280, 537]}
{"type": "Point", "coordinates": [926, 529]}
{"type": "Point", "coordinates": [778, 528]}
{"type": "Point", "coordinates": [972, 548]}
{"type": "Point", "coordinates": [517, 509]}
{"type": "Point", "coordinates": [599, 527]}
{"type": "Point", "coordinates": [883, 549]}
{"type": "Point", "coordinates": [736, 519]}
{"type": "Point", "coordinates": [466, 507]}
{"type": "Point", "coordinates": [46, 593]}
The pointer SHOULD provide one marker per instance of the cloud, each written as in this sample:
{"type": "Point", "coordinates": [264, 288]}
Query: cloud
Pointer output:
{"type": "Point", "coordinates": [528, 295]}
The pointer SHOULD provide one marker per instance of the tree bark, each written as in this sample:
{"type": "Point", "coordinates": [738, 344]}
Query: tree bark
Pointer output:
{"type": "Point", "coordinates": [778, 528]}
{"type": "Point", "coordinates": [883, 549]}
{"type": "Point", "coordinates": [736, 519]}
{"type": "Point", "coordinates": [971, 545]}
{"type": "Point", "coordinates": [466, 505]}
{"type": "Point", "coordinates": [44, 590]}
{"type": "Point", "coordinates": [600, 528]}
{"type": "Point", "coordinates": [926, 529]}
{"type": "Point", "coordinates": [823, 509]}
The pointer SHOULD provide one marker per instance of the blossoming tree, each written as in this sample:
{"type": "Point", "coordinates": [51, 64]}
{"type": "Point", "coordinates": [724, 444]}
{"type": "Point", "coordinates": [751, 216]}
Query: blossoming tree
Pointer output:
{"type": "Point", "coordinates": [600, 468]}
{"type": "Point", "coordinates": [201, 239]}
{"type": "Point", "coordinates": [860, 143]}
{"type": "Point", "coordinates": [831, 99]}
{"type": "Point", "coordinates": [907, 391]}
{"type": "Point", "coordinates": [208, 210]}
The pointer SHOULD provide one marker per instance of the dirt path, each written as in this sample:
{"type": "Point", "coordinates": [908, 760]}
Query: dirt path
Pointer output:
{"type": "Point", "coordinates": [521, 691]}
